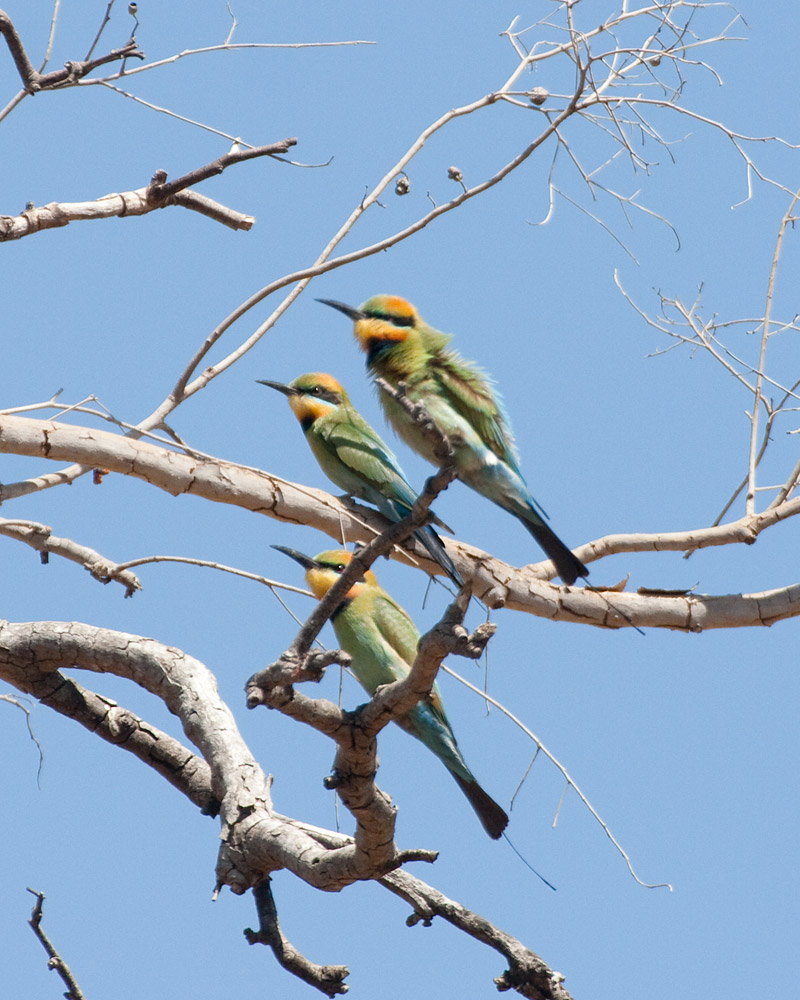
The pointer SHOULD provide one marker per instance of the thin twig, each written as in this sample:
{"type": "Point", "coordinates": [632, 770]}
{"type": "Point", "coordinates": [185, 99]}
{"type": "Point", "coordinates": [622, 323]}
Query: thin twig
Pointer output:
{"type": "Point", "coordinates": [51, 36]}
{"type": "Point", "coordinates": [757, 396]}
{"type": "Point", "coordinates": [540, 747]}
{"type": "Point", "coordinates": [101, 29]}
{"type": "Point", "coordinates": [24, 708]}
{"type": "Point", "coordinates": [55, 961]}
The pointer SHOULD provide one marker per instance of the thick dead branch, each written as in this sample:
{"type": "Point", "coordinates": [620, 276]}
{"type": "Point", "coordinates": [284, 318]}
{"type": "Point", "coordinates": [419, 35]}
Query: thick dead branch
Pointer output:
{"type": "Point", "coordinates": [177, 473]}
{"type": "Point", "coordinates": [41, 538]}
{"type": "Point", "coordinates": [30, 657]}
{"type": "Point", "coordinates": [119, 726]}
{"type": "Point", "coordinates": [528, 974]}
{"type": "Point", "coordinates": [55, 215]}
{"type": "Point", "coordinates": [495, 582]}
{"type": "Point", "coordinates": [353, 777]}
{"type": "Point", "coordinates": [55, 961]}
{"type": "Point", "coordinates": [33, 81]}
{"type": "Point", "coordinates": [254, 841]}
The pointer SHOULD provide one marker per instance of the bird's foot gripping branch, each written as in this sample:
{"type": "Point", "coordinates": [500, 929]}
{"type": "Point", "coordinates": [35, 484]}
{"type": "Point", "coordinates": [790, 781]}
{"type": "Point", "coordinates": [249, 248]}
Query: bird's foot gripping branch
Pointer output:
{"type": "Point", "coordinates": [373, 851]}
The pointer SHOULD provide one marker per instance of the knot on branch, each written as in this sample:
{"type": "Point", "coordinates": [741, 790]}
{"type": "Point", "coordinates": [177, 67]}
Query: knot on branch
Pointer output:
{"type": "Point", "coordinates": [446, 637]}
{"type": "Point", "coordinates": [73, 71]}
{"type": "Point", "coordinates": [272, 686]}
{"type": "Point", "coordinates": [532, 978]}
{"type": "Point", "coordinates": [449, 635]}
{"type": "Point", "coordinates": [472, 644]}
{"type": "Point", "coordinates": [105, 572]}
{"type": "Point", "coordinates": [334, 780]}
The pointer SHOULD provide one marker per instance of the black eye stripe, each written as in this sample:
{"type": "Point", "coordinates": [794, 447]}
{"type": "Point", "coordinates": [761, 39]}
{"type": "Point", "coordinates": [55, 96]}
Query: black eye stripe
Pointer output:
{"type": "Point", "coordinates": [329, 395]}
{"type": "Point", "coordinates": [394, 320]}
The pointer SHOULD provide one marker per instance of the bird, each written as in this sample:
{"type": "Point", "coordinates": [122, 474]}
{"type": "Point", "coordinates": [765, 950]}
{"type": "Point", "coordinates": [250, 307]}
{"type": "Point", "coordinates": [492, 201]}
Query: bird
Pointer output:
{"type": "Point", "coordinates": [401, 347]}
{"type": "Point", "coordinates": [353, 456]}
{"type": "Point", "coordinates": [382, 640]}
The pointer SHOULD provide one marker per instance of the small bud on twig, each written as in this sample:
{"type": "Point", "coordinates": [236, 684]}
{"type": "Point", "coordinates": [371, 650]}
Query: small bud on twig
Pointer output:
{"type": "Point", "coordinates": [455, 175]}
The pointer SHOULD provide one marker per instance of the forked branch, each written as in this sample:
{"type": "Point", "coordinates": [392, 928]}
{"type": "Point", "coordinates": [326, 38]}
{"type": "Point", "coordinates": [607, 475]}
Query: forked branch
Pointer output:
{"type": "Point", "coordinates": [495, 582]}
{"type": "Point", "coordinates": [33, 81]}
{"type": "Point", "coordinates": [226, 777]}
{"type": "Point", "coordinates": [158, 194]}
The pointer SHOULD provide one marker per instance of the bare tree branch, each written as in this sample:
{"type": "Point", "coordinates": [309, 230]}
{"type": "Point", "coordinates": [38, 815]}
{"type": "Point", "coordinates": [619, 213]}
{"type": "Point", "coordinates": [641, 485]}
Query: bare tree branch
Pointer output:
{"type": "Point", "coordinates": [224, 47]}
{"type": "Point", "coordinates": [158, 194]}
{"type": "Point", "coordinates": [52, 35]}
{"type": "Point", "coordinates": [496, 583]}
{"type": "Point", "coordinates": [119, 726]}
{"type": "Point", "coordinates": [328, 979]}
{"type": "Point", "coordinates": [256, 840]}
{"type": "Point", "coordinates": [41, 538]}
{"type": "Point", "coordinates": [528, 974]}
{"type": "Point", "coordinates": [76, 73]}
{"type": "Point", "coordinates": [33, 81]}
{"type": "Point", "coordinates": [55, 214]}
{"type": "Point", "coordinates": [160, 190]}
{"type": "Point", "coordinates": [55, 961]}
{"type": "Point", "coordinates": [686, 326]}
{"type": "Point", "coordinates": [619, 76]}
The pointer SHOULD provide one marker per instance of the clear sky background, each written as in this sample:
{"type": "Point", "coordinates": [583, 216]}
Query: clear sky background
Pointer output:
{"type": "Point", "coordinates": [685, 744]}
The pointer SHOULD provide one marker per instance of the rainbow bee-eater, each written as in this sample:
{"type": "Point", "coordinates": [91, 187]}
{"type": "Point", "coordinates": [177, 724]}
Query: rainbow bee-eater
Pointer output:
{"type": "Point", "coordinates": [382, 641]}
{"type": "Point", "coordinates": [353, 456]}
{"type": "Point", "coordinates": [401, 347]}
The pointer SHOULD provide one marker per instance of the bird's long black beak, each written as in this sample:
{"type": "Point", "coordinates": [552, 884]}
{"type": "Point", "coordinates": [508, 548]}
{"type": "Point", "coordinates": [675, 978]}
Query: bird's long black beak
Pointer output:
{"type": "Point", "coordinates": [287, 390]}
{"type": "Point", "coordinates": [305, 561]}
{"type": "Point", "coordinates": [354, 314]}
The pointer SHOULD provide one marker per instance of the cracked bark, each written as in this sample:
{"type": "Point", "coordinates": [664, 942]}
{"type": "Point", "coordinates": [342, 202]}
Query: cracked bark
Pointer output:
{"type": "Point", "coordinates": [256, 840]}
{"type": "Point", "coordinates": [495, 582]}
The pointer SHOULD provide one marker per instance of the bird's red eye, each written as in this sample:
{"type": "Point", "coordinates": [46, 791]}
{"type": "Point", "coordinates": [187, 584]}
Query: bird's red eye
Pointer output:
{"type": "Point", "coordinates": [340, 568]}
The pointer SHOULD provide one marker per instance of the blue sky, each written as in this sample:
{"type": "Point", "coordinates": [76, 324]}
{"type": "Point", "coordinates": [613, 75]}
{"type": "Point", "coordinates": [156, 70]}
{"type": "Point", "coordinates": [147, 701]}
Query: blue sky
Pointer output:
{"type": "Point", "coordinates": [681, 742]}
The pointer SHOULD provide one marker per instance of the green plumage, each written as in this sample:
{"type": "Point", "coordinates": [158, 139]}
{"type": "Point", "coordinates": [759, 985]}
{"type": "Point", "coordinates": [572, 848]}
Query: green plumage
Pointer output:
{"type": "Point", "coordinates": [382, 641]}
{"type": "Point", "coordinates": [403, 349]}
{"type": "Point", "coordinates": [354, 457]}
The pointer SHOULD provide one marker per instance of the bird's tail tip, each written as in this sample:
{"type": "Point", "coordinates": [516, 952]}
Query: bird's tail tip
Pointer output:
{"type": "Point", "coordinates": [493, 817]}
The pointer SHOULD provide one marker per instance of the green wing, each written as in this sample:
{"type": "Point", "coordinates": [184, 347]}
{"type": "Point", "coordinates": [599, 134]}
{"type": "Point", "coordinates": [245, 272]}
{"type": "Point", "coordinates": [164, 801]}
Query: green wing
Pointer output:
{"type": "Point", "coordinates": [395, 627]}
{"type": "Point", "coordinates": [399, 631]}
{"type": "Point", "coordinates": [364, 453]}
{"type": "Point", "coordinates": [469, 391]}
